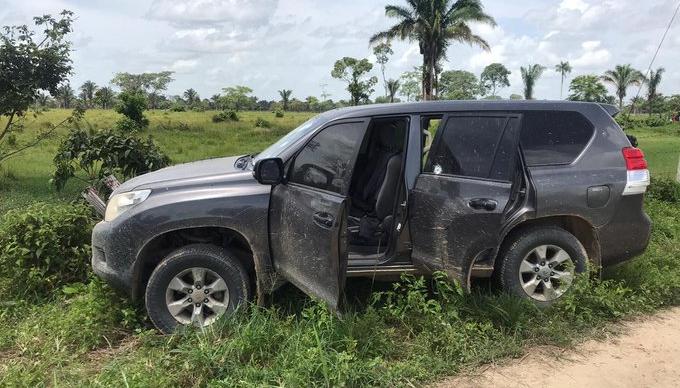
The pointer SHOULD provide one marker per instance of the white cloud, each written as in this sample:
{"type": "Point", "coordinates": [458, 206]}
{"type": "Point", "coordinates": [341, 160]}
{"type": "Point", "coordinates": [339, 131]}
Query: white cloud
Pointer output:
{"type": "Point", "coordinates": [593, 56]}
{"type": "Point", "coordinates": [243, 13]}
{"type": "Point", "coordinates": [183, 65]}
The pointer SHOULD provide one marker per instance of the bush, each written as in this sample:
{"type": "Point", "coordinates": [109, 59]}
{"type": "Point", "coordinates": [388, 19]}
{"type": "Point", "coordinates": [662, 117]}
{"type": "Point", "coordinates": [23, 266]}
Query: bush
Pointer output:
{"type": "Point", "coordinates": [100, 154]}
{"type": "Point", "coordinates": [44, 247]}
{"type": "Point", "coordinates": [178, 108]}
{"type": "Point", "coordinates": [262, 123]}
{"type": "Point", "coordinates": [278, 113]}
{"type": "Point", "coordinates": [656, 121]}
{"type": "Point", "coordinates": [664, 189]}
{"type": "Point", "coordinates": [132, 106]}
{"type": "Point", "coordinates": [227, 115]}
{"type": "Point", "coordinates": [625, 121]}
{"type": "Point", "coordinates": [127, 125]}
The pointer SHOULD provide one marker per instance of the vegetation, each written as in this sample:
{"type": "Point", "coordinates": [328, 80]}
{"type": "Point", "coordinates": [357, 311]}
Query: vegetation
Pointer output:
{"type": "Point", "coordinates": [530, 75]}
{"type": "Point", "coordinates": [382, 53]}
{"type": "Point", "coordinates": [494, 77]}
{"type": "Point", "coordinates": [459, 85]}
{"type": "Point", "coordinates": [434, 24]}
{"type": "Point", "coordinates": [588, 88]}
{"type": "Point", "coordinates": [652, 82]}
{"type": "Point", "coordinates": [622, 77]}
{"type": "Point", "coordinates": [407, 333]}
{"type": "Point", "coordinates": [564, 68]}
{"type": "Point", "coordinates": [353, 71]}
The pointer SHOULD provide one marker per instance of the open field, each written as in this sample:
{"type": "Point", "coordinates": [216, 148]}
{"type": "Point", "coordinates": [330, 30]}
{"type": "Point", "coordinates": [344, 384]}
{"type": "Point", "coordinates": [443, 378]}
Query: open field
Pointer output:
{"type": "Point", "coordinates": [87, 336]}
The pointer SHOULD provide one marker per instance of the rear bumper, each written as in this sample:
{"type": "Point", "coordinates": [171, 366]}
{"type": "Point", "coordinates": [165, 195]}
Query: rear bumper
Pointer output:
{"type": "Point", "coordinates": [627, 234]}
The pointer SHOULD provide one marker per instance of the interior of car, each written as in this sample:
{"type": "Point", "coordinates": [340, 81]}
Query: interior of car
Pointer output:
{"type": "Point", "coordinates": [376, 187]}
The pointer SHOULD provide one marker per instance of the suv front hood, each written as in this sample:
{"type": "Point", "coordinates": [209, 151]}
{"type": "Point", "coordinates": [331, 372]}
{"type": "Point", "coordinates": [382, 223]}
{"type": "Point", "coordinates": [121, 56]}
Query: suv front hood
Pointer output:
{"type": "Point", "coordinates": [188, 174]}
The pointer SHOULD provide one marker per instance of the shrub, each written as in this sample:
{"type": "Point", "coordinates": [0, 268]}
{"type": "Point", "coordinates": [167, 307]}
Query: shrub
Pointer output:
{"type": "Point", "coordinates": [664, 189]}
{"type": "Point", "coordinates": [656, 121]}
{"type": "Point", "coordinates": [44, 247]}
{"type": "Point", "coordinates": [132, 106]}
{"type": "Point", "coordinates": [625, 121]}
{"type": "Point", "coordinates": [278, 113]}
{"type": "Point", "coordinates": [197, 108]}
{"type": "Point", "coordinates": [127, 125]}
{"type": "Point", "coordinates": [100, 154]}
{"type": "Point", "coordinates": [177, 108]}
{"type": "Point", "coordinates": [227, 115]}
{"type": "Point", "coordinates": [262, 123]}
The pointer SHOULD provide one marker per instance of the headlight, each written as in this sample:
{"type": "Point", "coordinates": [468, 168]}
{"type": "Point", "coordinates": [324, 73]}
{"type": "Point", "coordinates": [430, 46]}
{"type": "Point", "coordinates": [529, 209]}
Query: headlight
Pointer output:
{"type": "Point", "coordinates": [119, 203]}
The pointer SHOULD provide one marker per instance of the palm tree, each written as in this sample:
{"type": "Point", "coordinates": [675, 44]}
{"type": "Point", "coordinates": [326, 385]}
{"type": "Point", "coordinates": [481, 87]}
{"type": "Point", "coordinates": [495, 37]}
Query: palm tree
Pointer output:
{"type": "Point", "coordinates": [191, 96]}
{"type": "Point", "coordinates": [653, 82]}
{"type": "Point", "coordinates": [42, 99]}
{"type": "Point", "coordinates": [285, 97]}
{"type": "Point", "coordinates": [563, 68]}
{"type": "Point", "coordinates": [530, 75]}
{"type": "Point", "coordinates": [622, 77]}
{"type": "Point", "coordinates": [104, 97]}
{"type": "Point", "coordinates": [65, 96]}
{"type": "Point", "coordinates": [392, 88]}
{"type": "Point", "coordinates": [434, 24]}
{"type": "Point", "coordinates": [87, 90]}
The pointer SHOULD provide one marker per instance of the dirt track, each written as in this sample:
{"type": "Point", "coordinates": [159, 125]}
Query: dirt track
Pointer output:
{"type": "Point", "coordinates": [645, 354]}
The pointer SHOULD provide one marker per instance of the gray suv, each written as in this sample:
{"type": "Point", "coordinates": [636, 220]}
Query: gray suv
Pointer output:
{"type": "Point", "coordinates": [528, 192]}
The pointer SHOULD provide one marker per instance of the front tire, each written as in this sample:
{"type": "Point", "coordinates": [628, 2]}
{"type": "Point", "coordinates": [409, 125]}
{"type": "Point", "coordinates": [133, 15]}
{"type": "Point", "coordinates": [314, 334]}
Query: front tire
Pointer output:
{"type": "Point", "coordinates": [540, 264]}
{"type": "Point", "coordinates": [195, 285]}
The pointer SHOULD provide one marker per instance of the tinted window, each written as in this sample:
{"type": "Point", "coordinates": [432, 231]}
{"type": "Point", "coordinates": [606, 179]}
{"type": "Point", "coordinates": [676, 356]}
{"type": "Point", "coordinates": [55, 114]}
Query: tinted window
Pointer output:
{"type": "Point", "coordinates": [554, 137]}
{"type": "Point", "coordinates": [326, 161]}
{"type": "Point", "coordinates": [467, 146]}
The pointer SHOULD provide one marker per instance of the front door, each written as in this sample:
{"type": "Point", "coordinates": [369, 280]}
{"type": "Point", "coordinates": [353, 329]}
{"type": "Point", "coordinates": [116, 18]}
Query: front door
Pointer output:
{"type": "Point", "coordinates": [460, 200]}
{"type": "Point", "coordinates": [308, 213]}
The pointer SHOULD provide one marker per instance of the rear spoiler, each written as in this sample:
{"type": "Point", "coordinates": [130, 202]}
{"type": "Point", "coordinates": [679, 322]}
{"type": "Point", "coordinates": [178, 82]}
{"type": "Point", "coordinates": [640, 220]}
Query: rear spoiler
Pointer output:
{"type": "Point", "coordinates": [612, 110]}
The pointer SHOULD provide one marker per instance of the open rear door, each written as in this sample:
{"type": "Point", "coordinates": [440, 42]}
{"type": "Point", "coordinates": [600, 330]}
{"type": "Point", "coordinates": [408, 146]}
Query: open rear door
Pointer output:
{"type": "Point", "coordinates": [461, 200]}
{"type": "Point", "coordinates": [308, 213]}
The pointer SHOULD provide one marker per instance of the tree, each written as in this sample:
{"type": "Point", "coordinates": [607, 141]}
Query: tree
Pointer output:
{"type": "Point", "coordinates": [588, 88]}
{"type": "Point", "coordinates": [191, 96]}
{"type": "Point", "coordinates": [42, 99]}
{"type": "Point", "coordinates": [622, 77]}
{"type": "Point", "coordinates": [495, 76]}
{"type": "Point", "coordinates": [434, 24]}
{"type": "Point", "coordinates": [285, 97]}
{"type": "Point", "coordinates": [65, 95]}
{"type": "Point", "coordinates": [236, 97]}
{"type": "Point", "coordinates": [392, 89]}
{"type": "Point", "coordinates": [563, 68]}
{"type": "Point", "coordinates": [148, 83]}
{"type": "Point", "coordinates": [132, 106]}
{"type": "Point", "coordinates": [382, 53]}
{"type": "Point", "coordinates": [87, 90]}
{"type": "Point", "coordinates": [104, 97]}
{"type": "Point", "coordinates": [530, 75]}
{"type": "Point", "coordinates": [459, 85]}
{"type": "Point", "coordinates": [653, 82]}
{"type": "Point", "coordinates": [30, 63]}
{"type": "Point", "coordinates": [352, 71]}
{"type": "Point", "coordinates": [411, 84]}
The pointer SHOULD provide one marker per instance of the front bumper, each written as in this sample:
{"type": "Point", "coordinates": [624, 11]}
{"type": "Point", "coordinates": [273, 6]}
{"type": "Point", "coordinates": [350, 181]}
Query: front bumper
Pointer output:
{"type": "Point", "coordinates": [111, 259]}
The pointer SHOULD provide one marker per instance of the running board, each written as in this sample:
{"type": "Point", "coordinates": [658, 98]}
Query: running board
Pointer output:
{"type": "Point", "coordinates": [386, 270]}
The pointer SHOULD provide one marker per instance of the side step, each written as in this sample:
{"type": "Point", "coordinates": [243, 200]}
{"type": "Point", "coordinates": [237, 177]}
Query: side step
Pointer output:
{"type": "Point", "coordinates": [478, 271]}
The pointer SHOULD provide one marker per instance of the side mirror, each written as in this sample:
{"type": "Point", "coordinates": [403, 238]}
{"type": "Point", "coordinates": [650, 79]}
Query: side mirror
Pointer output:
{"type": "Point", "coordinates": [269, 171]}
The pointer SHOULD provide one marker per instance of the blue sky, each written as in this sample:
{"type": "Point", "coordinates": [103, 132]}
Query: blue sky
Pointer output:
{"type": "Point", "coordinates": [275, 44]}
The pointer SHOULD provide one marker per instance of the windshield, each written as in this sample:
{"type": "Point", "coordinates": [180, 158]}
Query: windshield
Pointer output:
{"type": "Point", "coordinates": [291, 137]}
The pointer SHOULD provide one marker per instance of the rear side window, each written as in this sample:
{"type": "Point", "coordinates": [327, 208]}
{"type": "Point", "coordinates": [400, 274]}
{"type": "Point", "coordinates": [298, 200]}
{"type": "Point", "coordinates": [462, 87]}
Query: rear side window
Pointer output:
{"type": "Point", "coordinates": [554, 137]}
{"type": "Point", "coordinates": [467, 147]}
{"type": "Point", "coordinates": [327, 160]}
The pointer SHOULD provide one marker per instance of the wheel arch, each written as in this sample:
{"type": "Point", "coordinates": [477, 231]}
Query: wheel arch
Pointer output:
{"type": "Point", "coordinates": [583, 230]}
{"type": "Point", "coordinates": [159, 246]}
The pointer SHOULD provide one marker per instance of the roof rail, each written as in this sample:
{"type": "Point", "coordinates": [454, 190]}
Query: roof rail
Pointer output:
{"type": "Point", "coordinates": [611, 109]}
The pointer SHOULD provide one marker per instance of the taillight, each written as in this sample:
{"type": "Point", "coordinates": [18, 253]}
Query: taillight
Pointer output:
{"type": "Point", "coordinates": [635, 158]}
{"type": "Point", "coordinates": [637, 177]}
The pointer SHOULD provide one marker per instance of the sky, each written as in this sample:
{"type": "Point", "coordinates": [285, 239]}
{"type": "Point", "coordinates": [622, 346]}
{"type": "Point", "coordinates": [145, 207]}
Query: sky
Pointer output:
{"type": "Point", "coordinates": [270, 45]}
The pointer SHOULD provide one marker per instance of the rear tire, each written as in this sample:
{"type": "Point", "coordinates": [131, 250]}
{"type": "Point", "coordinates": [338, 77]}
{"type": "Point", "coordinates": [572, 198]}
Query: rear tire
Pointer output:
{"type": "Point", "coordinates": [539, 264]}
{"type": "Point", "coordinates": [195, 285]}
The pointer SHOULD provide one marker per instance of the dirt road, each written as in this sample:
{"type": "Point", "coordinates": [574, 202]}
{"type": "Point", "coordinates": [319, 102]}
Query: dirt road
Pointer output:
{"type": "Point", "coordinates": [645, 354]}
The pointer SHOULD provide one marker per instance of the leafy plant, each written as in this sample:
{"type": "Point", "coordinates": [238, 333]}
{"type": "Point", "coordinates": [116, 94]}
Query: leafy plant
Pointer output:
{"type": "Point", "coordinates": [44, 247]}
{"type": "Point", "coordinates": [656, 121]}
{"type": "Point", "coordinates": [227, 115]}
{"type": "Point", "coordinates": [664, 189]}
{"type": "Point", "coordinates": [278, 113]}
{"type": "Point", "coordinates": [262, 123]}
{"type": "Point", "coordinates": [132, 106]}
{"type": "Point", "coordinates": [99, 154]}
{"type": "Point", "coordinates": [177, 108]}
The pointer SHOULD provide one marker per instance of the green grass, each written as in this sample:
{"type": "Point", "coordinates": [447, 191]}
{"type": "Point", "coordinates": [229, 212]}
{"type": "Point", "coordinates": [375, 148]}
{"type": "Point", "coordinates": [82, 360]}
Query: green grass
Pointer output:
{"type": "Point", "coordinates": [414, 333]}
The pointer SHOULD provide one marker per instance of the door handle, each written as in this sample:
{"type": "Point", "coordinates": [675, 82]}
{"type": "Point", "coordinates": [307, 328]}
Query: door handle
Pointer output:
{"type": "Point", "coordinates": [483, 204]}
{"type": "Point", "coordinates": [324, 219]}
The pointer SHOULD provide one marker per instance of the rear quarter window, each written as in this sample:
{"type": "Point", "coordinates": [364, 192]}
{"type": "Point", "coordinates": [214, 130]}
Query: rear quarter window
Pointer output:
{"type": "Point", "coordinates": [552, 137]}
